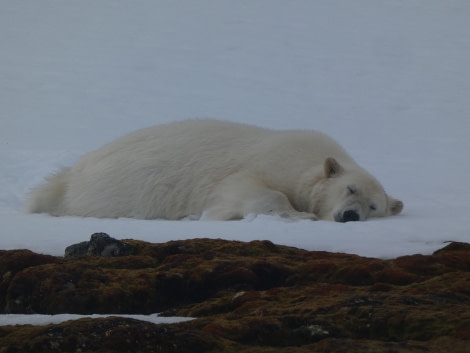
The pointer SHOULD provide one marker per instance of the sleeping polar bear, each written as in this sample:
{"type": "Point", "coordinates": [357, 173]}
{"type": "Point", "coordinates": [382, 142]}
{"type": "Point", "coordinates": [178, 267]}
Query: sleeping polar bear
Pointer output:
{"type": "Point", "coordinates": [216, 170]}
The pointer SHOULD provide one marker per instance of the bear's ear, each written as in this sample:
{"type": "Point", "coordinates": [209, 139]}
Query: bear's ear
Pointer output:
{"type": "Point", "coordinates": [395, 206]}
{"type": "Point", "coordinates": [332, 167]}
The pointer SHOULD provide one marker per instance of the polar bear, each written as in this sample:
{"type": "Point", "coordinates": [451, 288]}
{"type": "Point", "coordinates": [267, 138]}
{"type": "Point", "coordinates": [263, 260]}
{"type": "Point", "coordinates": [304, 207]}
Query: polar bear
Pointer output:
{"type": "Point", "coordinates": [219, 171]}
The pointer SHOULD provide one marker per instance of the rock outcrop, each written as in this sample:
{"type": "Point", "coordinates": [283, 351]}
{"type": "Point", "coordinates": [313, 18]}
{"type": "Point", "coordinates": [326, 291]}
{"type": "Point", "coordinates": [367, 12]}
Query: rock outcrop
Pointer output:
{"type": "Point", "coordinates": [246, 297]}
{"type": "Point", "coordinates": [100, 244]}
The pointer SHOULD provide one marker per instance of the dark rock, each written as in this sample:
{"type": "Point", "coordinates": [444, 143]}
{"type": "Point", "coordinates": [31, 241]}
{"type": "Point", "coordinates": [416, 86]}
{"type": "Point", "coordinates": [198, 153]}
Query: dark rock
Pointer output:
{"type": "Point", "coordinates": [100, 244]}
{"type": "Point", "coordinates": [76, 250]}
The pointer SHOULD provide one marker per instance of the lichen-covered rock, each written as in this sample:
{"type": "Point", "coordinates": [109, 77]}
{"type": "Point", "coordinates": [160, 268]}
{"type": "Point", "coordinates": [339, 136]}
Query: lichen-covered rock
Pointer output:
{"type": "Point", "coordinates": [100, 244]}
{"type": "Point", "coordinates": [113, 334]}
{"type": "Point", "coordinates": [248, 297]}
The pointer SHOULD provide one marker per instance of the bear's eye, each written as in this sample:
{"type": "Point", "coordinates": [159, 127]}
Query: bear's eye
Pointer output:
{"type": "Point", "coordinates": [351, 189]}
{"type": "Point", "coordinates": [373, 207]}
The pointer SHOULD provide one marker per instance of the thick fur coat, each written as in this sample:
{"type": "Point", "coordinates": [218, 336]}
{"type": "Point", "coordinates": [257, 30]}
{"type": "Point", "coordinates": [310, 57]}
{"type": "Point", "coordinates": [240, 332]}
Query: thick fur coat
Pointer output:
{"type": "Point", "coordinates": [216, 170]}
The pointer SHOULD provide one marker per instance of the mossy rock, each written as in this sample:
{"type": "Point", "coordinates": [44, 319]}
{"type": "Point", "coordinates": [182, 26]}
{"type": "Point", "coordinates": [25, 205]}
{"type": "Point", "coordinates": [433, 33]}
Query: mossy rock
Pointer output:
{"type": "Point", "coordinates": [247, 297]}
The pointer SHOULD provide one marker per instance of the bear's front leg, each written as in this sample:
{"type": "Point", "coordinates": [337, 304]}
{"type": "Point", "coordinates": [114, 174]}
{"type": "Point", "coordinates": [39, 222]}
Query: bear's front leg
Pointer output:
{"type": "Point", "coordinates": [272, 202]}
{"type": "Point", "coordinates": [240, 195]}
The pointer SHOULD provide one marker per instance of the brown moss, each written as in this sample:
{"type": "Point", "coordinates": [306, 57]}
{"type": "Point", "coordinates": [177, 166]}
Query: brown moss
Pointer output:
{"type": "Point", "coordinates": [105, 335]}
{"type": "Point", "coordinates": [250, 297]}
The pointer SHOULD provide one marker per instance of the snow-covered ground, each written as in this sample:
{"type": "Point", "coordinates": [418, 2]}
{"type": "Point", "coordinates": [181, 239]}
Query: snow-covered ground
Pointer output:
{"type": "Point", "coordinates": [390, 80]}
{"type": "Point", "coordinates": [19, 319]}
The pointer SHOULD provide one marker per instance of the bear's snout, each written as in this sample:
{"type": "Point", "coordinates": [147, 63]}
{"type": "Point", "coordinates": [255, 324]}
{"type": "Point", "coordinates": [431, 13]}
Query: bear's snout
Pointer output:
{"type": "Point", "coordinates": [347, 216]}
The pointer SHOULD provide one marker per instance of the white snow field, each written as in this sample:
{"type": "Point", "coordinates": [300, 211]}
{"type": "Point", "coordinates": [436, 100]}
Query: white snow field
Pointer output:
{"type": "Point", "coordinates": [390, 80]}
{"type": "Point", "coordinates": [20, 319]}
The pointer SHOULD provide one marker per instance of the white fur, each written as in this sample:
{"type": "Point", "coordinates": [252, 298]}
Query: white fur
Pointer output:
{"type": "Point", "coordinates": [224, 170]}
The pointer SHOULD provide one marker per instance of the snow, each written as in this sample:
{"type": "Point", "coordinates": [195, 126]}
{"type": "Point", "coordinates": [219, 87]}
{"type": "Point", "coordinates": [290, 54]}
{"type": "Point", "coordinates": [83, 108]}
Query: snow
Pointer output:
{"type": "Point", "coordinates": [388, 80]}
{"type": "Point", "coordinates": [20, 319]}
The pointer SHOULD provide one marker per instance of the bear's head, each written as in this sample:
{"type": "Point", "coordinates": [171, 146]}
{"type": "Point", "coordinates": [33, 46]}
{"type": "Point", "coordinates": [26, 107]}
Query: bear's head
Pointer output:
{"type": "Point", "coordinates": [347, 194]}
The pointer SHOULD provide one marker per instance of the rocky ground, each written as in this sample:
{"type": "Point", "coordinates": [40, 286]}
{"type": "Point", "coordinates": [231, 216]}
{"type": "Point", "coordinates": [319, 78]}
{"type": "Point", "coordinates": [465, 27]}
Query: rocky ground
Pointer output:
{"type": "Point", "coordinates": [246, 297]}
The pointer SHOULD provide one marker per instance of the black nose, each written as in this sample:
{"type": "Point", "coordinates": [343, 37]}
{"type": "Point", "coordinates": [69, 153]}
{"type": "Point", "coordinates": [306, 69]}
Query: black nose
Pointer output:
{"type": "Point", "coordinates": [350, 216]}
